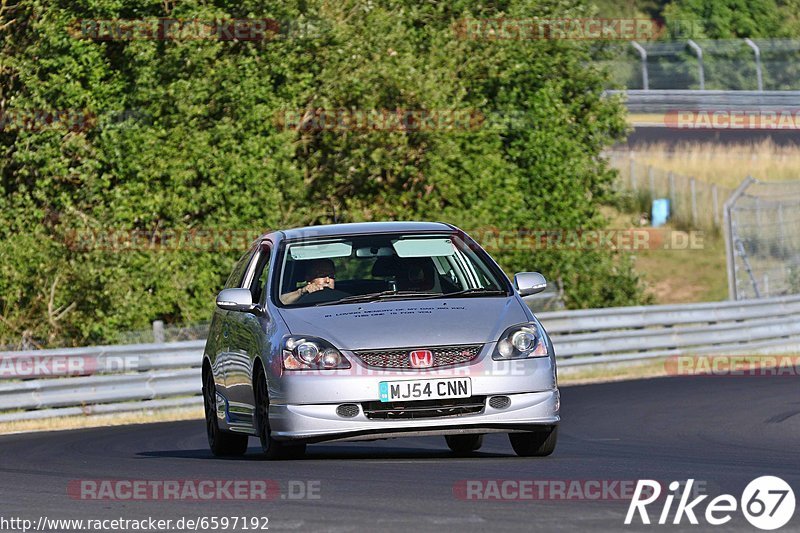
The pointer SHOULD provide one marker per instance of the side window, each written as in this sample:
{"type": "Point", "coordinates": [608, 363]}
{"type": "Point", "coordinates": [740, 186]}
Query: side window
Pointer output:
{"type": "Point", "coordinates": [235, 279]}
{"type": "Point", "coordinates": [261, 274]}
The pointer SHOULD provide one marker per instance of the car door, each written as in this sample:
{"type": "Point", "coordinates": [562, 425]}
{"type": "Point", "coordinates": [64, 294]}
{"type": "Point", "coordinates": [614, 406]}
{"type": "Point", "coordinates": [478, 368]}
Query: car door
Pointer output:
{"type": "Point", "coordinates": [247, 339]}
{"type": "Point", "coordinates": [219, 333]}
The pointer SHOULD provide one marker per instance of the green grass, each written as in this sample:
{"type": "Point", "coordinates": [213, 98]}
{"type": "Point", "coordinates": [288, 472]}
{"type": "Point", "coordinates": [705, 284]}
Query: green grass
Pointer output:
{"type": "Point", "coordinates": [682, 276]}
{"type": "Point", "coordinates": [679, 276]}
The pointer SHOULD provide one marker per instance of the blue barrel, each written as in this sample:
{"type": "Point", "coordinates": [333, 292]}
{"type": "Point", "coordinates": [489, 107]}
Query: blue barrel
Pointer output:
{"type": "Point", "coordinates": [659, 212]}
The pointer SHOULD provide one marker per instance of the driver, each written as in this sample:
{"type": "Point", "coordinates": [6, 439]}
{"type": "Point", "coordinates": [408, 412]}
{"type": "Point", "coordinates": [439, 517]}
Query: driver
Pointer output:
{"type": "Point", "coordinates": [320, 274]}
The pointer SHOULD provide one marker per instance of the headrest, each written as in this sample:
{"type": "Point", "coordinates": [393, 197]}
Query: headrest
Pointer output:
{"type": "Point", "coordinates": [385, 267]}
{"type": "Point", "coordinates": [418, 274]}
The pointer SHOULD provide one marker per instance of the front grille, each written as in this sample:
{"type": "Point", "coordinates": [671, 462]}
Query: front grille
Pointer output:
{"type": "Point", "coordinates": [399, 358]}
{"type": "Point", "coordinates": [424, 408]}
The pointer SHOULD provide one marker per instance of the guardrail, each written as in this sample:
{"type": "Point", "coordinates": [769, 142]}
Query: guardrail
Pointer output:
{"type": "Point", "coordinates": [632, 333]}
{"type": "Point", "coordinates": [40, 384]}
{"type": "Point", "coordinates": [665, 100]}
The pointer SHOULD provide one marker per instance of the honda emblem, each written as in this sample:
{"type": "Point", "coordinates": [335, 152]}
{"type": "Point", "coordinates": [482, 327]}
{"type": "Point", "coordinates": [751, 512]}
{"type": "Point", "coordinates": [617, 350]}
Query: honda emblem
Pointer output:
{"type": "Point", "coordinates": [421, 359]}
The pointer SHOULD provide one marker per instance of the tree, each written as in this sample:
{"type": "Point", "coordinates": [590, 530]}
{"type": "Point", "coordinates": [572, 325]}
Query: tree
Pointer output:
{"type": "Point", "coordinates": [183, 135]}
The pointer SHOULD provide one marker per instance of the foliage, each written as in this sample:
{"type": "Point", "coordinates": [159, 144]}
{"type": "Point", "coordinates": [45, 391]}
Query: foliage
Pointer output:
{"type": "Point", "coordinates": [182, 135]}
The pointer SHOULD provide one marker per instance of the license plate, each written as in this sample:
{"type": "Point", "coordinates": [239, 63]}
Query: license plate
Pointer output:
{"type": "Point", "coordinates": [425, 389]}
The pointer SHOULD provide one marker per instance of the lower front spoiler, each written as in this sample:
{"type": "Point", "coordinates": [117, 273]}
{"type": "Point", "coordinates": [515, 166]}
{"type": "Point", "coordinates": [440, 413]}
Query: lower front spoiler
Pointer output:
{"type": "Point", "coordinates": [320, 423]}
{"type": "Point", "coordinates": [430, 432]}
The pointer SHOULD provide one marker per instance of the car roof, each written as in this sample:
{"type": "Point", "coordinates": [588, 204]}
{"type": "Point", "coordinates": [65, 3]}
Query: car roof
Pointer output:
{"type": "Point", "coordinates": [363, 228]}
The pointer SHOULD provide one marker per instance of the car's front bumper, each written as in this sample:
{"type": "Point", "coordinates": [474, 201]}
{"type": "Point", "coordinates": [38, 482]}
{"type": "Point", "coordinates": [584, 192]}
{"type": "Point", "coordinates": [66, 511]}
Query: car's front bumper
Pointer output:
{"type": "Point", "coordinates": [320, 422]}
{"type": "Point", "coordinates": [361, 383]}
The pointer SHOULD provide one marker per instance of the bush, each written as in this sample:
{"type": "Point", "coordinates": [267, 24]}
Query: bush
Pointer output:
{"type": "Point", "coordinates": [182, 135]}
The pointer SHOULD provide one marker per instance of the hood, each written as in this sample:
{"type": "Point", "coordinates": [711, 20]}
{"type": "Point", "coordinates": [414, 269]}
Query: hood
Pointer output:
{"type": "Point", "coordinates": [407, 323]}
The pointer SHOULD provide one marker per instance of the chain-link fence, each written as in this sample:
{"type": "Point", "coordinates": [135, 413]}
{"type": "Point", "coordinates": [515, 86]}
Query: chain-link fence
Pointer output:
{"type": "Point", "coordinates": [761, 221]}
{"type": "Point", "coordinates": [731, 64]}
{"type": "Point", "coordinates": [694, 203]}
{"type": "Point", "coordinates": [763, 239]}
{"type": "Point", "coordinates": [160, 333]}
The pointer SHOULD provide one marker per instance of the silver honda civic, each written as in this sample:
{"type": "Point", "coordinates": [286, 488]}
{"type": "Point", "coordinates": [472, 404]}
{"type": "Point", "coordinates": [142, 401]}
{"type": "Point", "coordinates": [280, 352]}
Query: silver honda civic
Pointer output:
{"type": "Point", "coordinates": [376, 330]}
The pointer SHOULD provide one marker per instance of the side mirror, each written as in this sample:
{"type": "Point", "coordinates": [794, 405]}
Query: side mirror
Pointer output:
{"type": "Point", "coordinates": [528, 283]}
{"type": "Point", "coordinates": [236, 300]}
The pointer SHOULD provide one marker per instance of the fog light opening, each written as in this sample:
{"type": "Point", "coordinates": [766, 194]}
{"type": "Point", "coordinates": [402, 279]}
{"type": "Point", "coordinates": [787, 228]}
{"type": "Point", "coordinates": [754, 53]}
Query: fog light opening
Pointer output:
{"type": "Point", "coordinates": [499, 402]}
{"type": "Point", "coordinates": [347, 410]}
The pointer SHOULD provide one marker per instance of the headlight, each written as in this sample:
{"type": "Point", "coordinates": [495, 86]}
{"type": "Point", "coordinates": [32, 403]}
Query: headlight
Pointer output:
{"type": "Point", "coordinates": [311, 353]}
{"type": "Point", "coordinates": [519, 342]}
{"type": "Point", "coordinates": [523, 340]}
{"type": "Point", "coordinates": [307, 352]}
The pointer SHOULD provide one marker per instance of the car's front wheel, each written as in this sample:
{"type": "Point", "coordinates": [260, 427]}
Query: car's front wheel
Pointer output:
{"type": "Point", "coordinates": [272, 448]}
{"type": "Point", "coordinates": [535, 443]}
{"type": "Point", "coordinates": [221, 442]}
{"type": "Point", "coordinates": [464, 444]}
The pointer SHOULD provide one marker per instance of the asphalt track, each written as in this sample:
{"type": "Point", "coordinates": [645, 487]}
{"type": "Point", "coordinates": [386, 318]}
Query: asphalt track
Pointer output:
{"type": "Point", "coordinates": [643, 135]}
{"type": "Point", "coordinates": [723, 431]}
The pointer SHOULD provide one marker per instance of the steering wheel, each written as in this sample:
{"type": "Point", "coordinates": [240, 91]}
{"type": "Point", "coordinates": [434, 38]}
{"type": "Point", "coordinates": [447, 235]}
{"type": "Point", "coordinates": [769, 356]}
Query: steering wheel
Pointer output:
{"type": "Point", "coordinates": [321, 296]}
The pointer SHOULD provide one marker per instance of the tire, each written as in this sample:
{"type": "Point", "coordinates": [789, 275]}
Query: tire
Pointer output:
{"type": "Point", "coordinates": [222, 443]}
{"type": "Point", "coordinates": [271, 448]}
{"type": "Point", "coordinates": [464, 444]}
{"type": "Point", "coordinates": [536, 443]}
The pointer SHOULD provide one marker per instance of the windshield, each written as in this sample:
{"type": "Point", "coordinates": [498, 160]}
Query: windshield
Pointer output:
{"type": "Point", "coordinates": [383, 267]}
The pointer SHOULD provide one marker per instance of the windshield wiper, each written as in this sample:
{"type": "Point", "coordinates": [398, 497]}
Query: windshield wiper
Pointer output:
{"type": "Point", "coordinates": [383, 295]}
{"type": "Point", "coordinates": [476, 292]}
{"type": "Point", "coordinates": [388, 295]}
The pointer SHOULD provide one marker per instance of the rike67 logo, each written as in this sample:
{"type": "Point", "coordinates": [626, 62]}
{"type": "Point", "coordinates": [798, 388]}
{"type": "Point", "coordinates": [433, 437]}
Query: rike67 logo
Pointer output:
{"type": "Point", "coordinates": [767, 503]}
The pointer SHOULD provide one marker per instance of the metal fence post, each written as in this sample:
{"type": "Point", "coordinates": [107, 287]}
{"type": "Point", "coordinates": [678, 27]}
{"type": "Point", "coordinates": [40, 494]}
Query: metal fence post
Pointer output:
{"type": "Point", "coordinates": [714, 199]}
{"type": "Point", "coordinates": [782, 232]}
{"type": "Point", "coordinates": [729, 235]}
{"type": "Point", "coordinates": [643, 56]}
{"type": "Point", "coordinates": [158, 331]}
{"type": "Point", "coordinates": [699, 52]}
{"type": "Point", "coordinates": [759, 212]}
{"type": "Point", "coordinates": [757, 53]}
{"type": "Point", "coordinates": [671, 178]}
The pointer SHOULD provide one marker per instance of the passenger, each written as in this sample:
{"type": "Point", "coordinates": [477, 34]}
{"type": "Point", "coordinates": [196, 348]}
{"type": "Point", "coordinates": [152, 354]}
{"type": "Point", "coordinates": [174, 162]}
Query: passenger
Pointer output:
{"type": "Point", "coordinates": [320, 274]}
